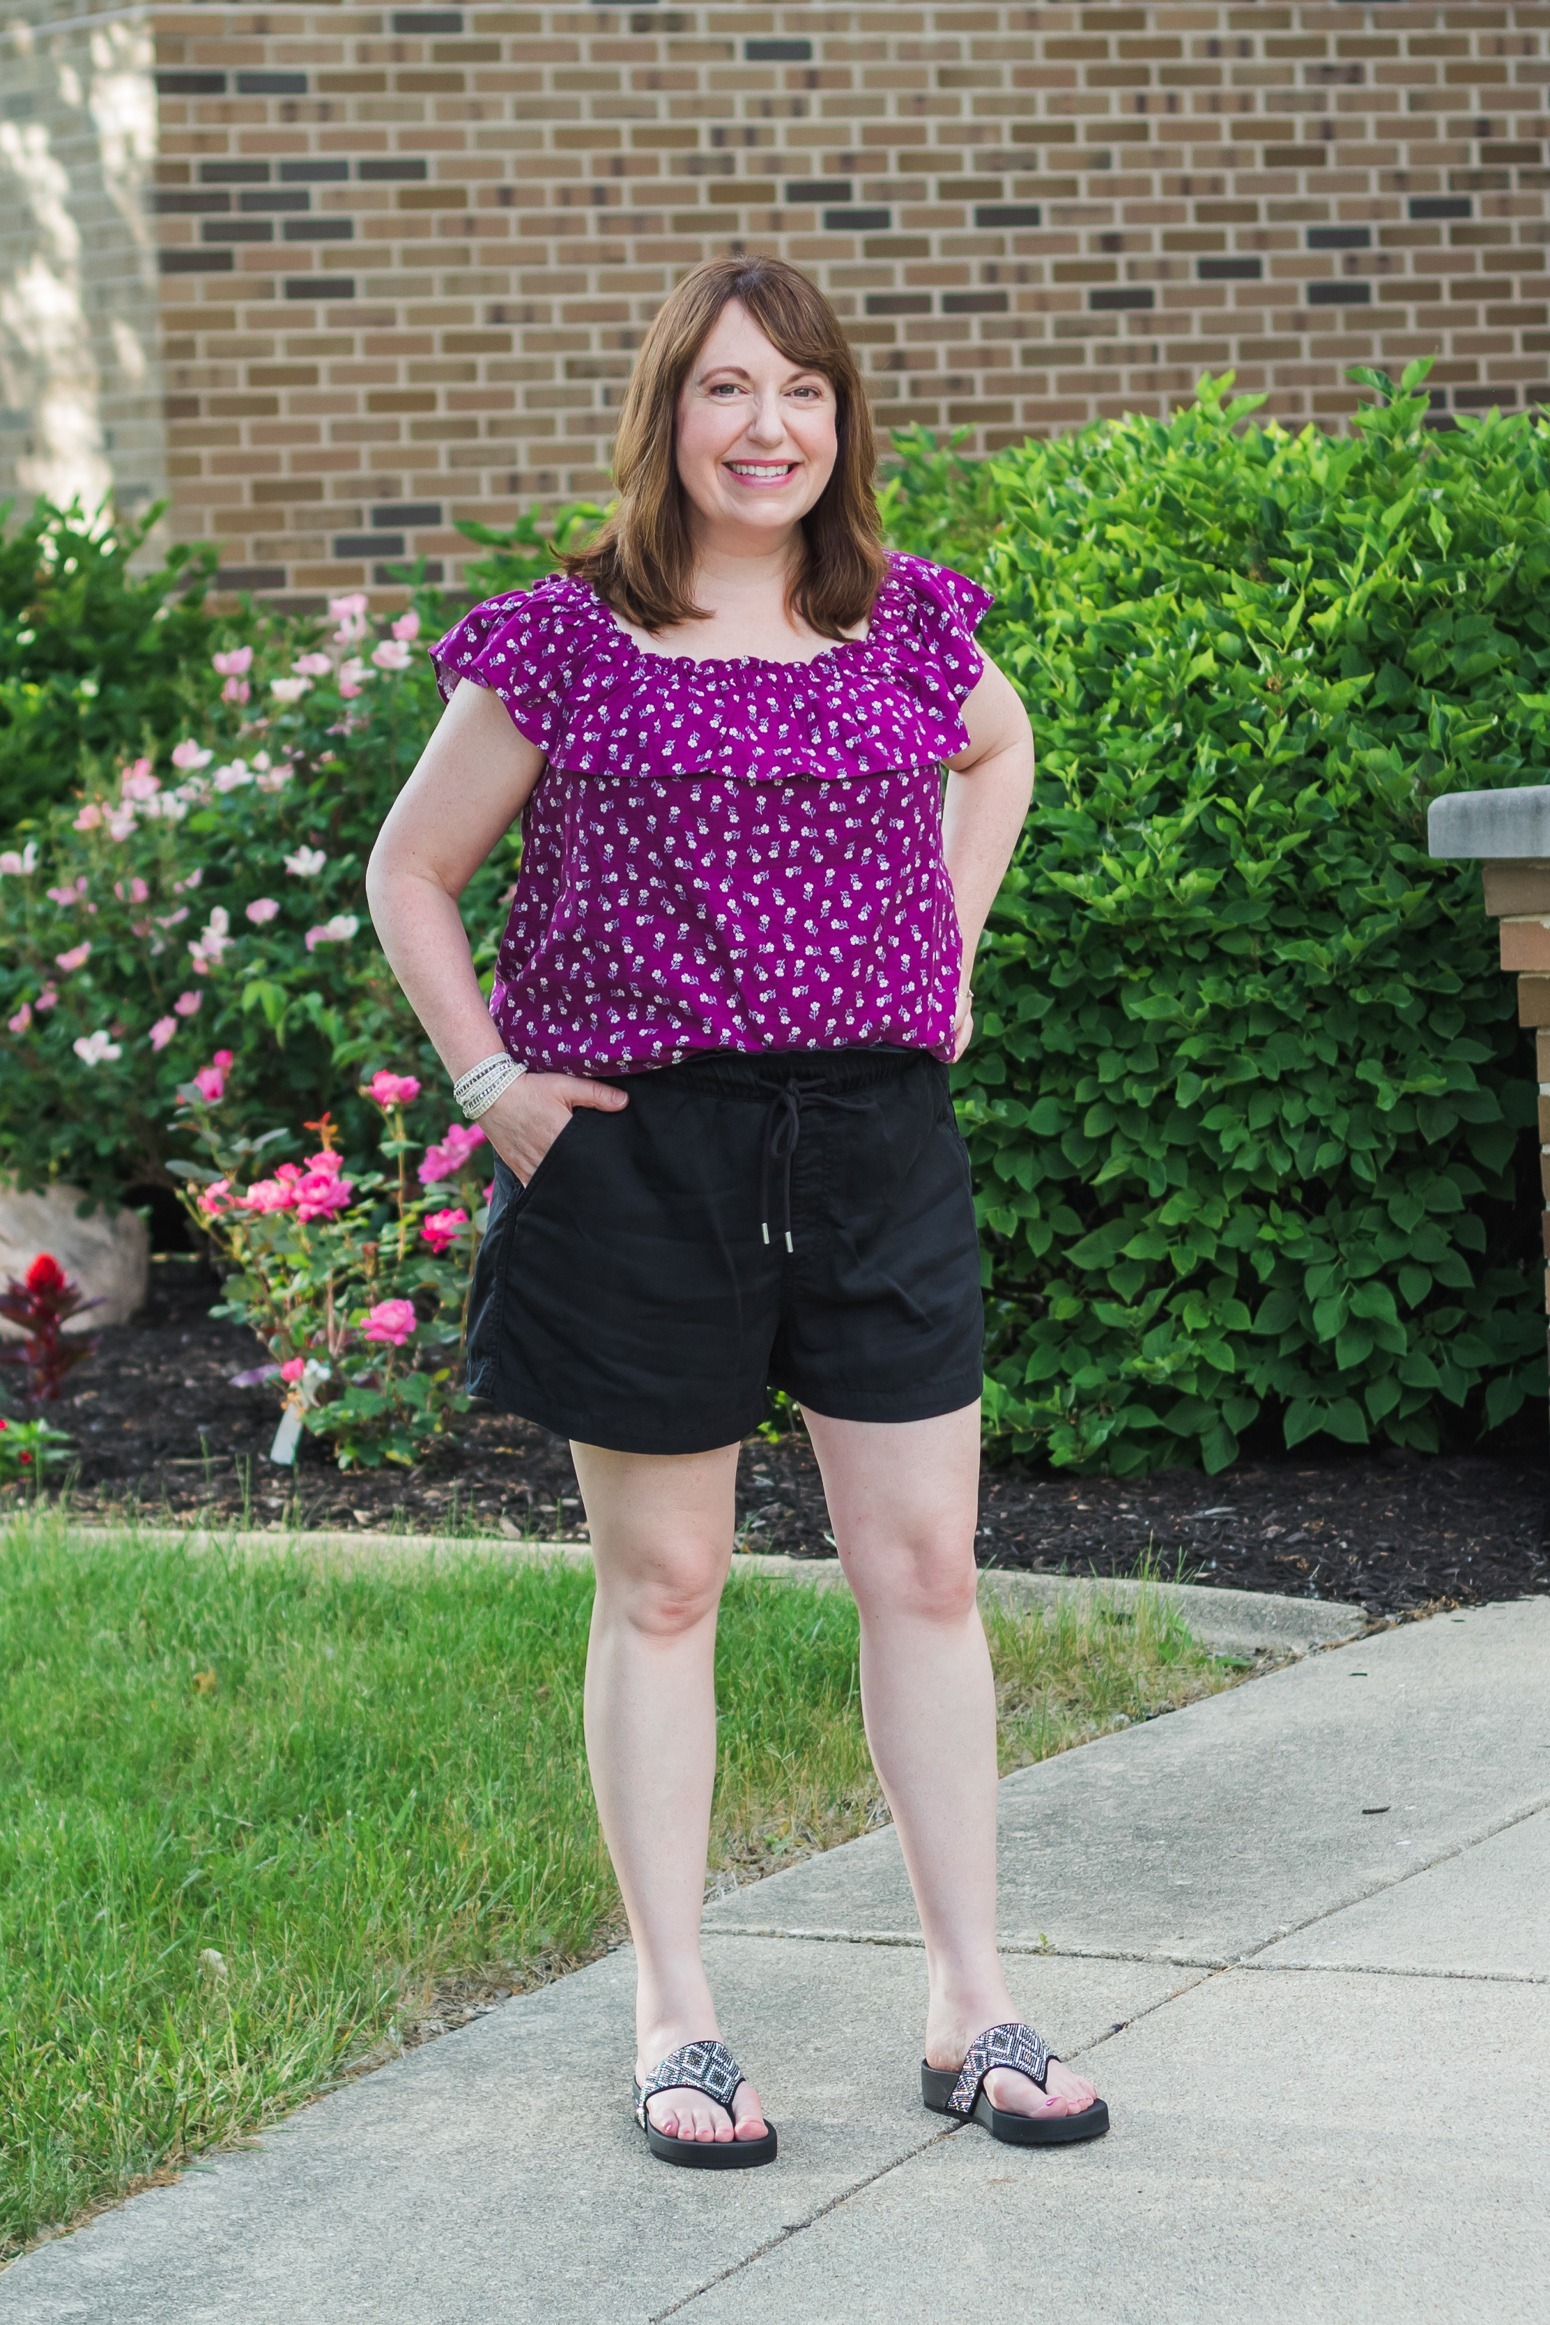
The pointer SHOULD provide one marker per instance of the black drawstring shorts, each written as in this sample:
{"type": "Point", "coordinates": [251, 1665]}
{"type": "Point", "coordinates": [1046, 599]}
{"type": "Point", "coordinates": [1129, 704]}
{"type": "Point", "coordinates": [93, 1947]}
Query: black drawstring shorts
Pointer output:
{"type": "Point", "coordinates": [751, 1220]}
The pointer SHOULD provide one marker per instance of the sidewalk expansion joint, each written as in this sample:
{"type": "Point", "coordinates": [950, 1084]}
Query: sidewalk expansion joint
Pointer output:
{"type": "Point", "coordinates": [1018, 1946]}
{"type": "Point", "coordinates": [797, 2227]}
{"type": "Point", "coordinates": [1380, 1887]}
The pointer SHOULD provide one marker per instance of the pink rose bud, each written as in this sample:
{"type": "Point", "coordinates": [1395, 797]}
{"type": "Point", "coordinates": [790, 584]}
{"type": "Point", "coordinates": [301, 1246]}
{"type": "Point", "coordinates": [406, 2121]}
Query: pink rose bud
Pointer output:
{"type": "Point", "coordinates": [187, 1004]}
{"type": "Point", "coordinates": [393, 1089]}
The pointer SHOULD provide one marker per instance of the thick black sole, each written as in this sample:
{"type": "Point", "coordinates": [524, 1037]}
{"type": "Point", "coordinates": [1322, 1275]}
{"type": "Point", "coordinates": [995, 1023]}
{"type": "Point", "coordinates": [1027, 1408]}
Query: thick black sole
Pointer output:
{"type": "Point", "coordinates": [712, 2155]}
{"type": "Point", "coordinates": [936, 2088]}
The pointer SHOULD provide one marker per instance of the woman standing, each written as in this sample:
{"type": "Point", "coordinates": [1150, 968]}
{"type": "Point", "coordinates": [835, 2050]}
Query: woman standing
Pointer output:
{"type": "Point", "coordinates": [736, 969]}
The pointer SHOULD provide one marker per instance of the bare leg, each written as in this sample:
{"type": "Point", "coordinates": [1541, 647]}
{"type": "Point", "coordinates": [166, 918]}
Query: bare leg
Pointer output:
{"type": "Point", "coordinates": [903, 1498]}
{"type": "Point", "coordinates": [662, 1542]}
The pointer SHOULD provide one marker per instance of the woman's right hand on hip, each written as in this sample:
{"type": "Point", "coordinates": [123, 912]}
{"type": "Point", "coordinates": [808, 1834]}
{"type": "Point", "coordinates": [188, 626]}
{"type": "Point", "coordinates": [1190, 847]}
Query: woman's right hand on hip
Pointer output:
{"type": "Point", "coordinates": [527, 1118]}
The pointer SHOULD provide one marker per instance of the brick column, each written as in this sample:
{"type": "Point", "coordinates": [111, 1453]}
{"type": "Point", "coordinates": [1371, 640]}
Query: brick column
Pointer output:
{"type": "Point", "coordinates": [1508, 834]}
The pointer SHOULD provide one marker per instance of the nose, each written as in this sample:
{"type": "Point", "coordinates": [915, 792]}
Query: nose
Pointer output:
{"type": "Point", "coordinates": [766, 423]}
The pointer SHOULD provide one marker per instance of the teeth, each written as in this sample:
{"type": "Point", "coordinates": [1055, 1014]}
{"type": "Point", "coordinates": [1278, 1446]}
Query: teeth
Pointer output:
{"type": "Point", "coordinates": [748, 468]}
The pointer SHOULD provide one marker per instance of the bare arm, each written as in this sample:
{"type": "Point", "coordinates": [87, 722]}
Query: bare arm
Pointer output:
{"type": "Point", "coordinates": [474, 777]}
{"type": "Point", "coordinates": [988, 789]}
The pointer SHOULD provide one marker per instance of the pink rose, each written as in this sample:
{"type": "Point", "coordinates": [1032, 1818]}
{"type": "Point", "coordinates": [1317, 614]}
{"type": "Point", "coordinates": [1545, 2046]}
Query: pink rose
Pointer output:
{"type": "Point", "coordinates": [136, 892]}
{"type": "Point", "coordinates": [236, 690]}
{"type": "Point", "coordinates": [137, 782]}
{"type": "Point", "coordinates": [215, 1198]}
{"type": "Point", "coordinates": [392, 654]}
{"type": "Point", "coordinates": [394, 1089]}
{"type": "Point", "coordinates": [23, 1018]}
{"type": "Point", "coordinates": [292, 1369]}
{"type": "Point", "coordinates": [234, 664]}
{"type": "Point", "coordinates": [276, 1194]}
{"type": "Point", "coordinates": [407, 626]}
{"type": "Point", "coordinates": [187, 756]}
{"type": "Point", "coordinates": [47, 999]}
{"type": "Point", "coordinates": [319, 1194]}
{"type": "Point", "coordinates": [328, 1162]}
{"type": "Point", "coordinates": [210, 1081]}
{"type": "Point", "coordinates": [90, 817]}
{"type": "Point", "coordinates": [442, 1228]}
{"type": "Point", "coordinates": [262, 908]}
{"type": "Point", "coordinates": [162, 1032]}
{"type": "Point", "coordinates": [312, 665]}
{"type": "Point", "coordinates": [445, 1160]}
{"type": "Point", "coordinates": [187, 1004]}
{"type": "Point", "coordinates": [391, 1321]}
{"type": "Point", "coordinates": [76, 958]}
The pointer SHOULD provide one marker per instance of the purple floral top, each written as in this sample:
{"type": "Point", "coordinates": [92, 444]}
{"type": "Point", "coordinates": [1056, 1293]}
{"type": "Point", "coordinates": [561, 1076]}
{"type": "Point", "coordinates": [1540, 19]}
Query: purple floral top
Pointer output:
{"type": "Point", "coordinates": [739, 855]}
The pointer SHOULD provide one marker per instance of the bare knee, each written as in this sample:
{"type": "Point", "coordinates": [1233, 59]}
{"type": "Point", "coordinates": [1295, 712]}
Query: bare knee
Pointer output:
{"type": "Point", "coordinates": [662, 1595]}
{"type": "Point", "coordinates": [930, 1581]}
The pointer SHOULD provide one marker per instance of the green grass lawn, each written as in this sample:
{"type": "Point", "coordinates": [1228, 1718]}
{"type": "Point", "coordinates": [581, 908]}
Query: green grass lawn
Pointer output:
{"type": "Point", "coordinates": [256, 1813]}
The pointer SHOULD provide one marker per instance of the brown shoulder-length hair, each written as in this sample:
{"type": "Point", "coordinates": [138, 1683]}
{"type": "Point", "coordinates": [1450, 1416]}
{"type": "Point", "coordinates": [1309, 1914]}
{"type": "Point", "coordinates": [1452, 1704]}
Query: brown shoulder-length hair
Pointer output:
{"type": "Point", "coordinates": [642, 562]}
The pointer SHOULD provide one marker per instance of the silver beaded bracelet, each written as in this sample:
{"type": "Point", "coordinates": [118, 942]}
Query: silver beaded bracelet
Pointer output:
{"type": "Point", "coordinates": [477, 1090]}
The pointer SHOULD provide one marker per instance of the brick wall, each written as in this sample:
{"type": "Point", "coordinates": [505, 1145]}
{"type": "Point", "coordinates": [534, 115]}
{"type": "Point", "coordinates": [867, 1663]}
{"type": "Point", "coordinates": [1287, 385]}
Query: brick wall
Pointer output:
{"type": "Point", "coordinates": [406, 252]}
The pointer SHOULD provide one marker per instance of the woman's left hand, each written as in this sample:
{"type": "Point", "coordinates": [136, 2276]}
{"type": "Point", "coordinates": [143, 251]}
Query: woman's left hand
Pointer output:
{"type": "Point", "coordinates": [963, 1023]}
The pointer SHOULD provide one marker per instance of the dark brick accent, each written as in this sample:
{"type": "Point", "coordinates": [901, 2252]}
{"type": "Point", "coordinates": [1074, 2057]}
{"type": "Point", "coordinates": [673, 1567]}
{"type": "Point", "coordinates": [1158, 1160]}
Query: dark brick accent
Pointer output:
{"type": "Point", "coordinates": [857, 221]}
{"type": "Point", "coordinates": [1340, 294]}
{"type": "Point", "coordinates": [293, 198]}
{"type": "Point", "coordinates": [1340, 238]}
{"type": "Point", "coordinates": [320, 286]}
{"type": "Point", "coordinates": [319, 229]}
{"type": "Point", "coordinates": [194, 261]}
{"type": "Point", "coordinates": [256, 577]}
{"type": "Point", "coordinates": [186, 84]}
{"type": "Point", "coordinates": [1229, 270]}
{"type": "Point", "coordinates": [974, 302]}
{"type": "Point", "coordinates": [271, 84]}
{"type": "Point", "coordinates": [1441, 206]}
{"type": "Point", "coordinates": [1116, 302]}
{"type": "Point", "coordinates": [313, 173]}
{"type": "Point", "coordinates": [898, 303]}
{"type": "Point", "coordinates": [236, 230]}
{"type": "Point", "coordinates": [412, 514]}
{"type": "Point", "coordinates": [377, 172]}
{"type": "Point", "coordinates": [234, 173]}
{"type": "Point", "coordinates": [170, 201]}
{"type": "Point", "coordinates": [368, 544]}
{"type": "Point", "coordinates": [1008, 214]}
{"type": "Point", "coordinates": [778, 52]}
{"type": "Point", "coordinates": [427, 20]}
{"type": "Point", "coordinates": [818, 189]}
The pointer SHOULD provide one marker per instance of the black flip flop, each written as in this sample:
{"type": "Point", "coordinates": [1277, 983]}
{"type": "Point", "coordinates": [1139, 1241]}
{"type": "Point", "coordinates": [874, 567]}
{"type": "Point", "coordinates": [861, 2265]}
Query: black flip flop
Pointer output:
{"type": "Point", "coordinates": [711, 2068]}
{"type": "Point", "coordinates": [960, 2091]}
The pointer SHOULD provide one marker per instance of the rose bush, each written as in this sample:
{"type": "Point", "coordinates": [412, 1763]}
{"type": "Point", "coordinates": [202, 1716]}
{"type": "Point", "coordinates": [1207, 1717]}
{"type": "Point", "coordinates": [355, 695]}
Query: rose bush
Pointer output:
{"type": "Point", "coordinates": [207, 895]}
{"type": "Point", "coordinates": [355, 1280]}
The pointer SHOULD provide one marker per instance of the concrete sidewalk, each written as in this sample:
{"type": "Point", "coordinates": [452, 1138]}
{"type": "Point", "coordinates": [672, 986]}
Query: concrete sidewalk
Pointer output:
{"type": "Point", "coordinates": [1297, 1933]}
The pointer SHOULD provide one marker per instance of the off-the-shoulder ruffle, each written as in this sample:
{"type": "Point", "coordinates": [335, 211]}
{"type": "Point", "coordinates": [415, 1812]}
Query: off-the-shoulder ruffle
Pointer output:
{"type": "Point", "coordinates": [596, 703]}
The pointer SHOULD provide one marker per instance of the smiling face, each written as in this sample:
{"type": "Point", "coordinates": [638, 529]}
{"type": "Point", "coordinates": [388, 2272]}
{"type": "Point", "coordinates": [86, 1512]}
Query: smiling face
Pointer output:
{"type": "Point", "coordinates": [756, 438]}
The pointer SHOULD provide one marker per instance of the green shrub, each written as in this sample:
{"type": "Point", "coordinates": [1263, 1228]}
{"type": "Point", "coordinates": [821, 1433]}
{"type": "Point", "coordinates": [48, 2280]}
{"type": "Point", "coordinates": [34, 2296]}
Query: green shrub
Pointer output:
{"type": "Point", "coordinates": [92, 656]}
{"type": "Point", "coordinates": [1244, 1099]}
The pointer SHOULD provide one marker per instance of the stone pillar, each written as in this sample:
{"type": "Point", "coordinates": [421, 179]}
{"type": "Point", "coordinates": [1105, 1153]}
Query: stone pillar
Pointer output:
{"type": "Point", "coordinates": [1508, 834]}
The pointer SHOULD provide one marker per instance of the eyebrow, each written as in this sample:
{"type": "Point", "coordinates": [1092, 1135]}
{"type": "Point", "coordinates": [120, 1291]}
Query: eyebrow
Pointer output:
{"type": "Point", "coordinates": [736, 371]}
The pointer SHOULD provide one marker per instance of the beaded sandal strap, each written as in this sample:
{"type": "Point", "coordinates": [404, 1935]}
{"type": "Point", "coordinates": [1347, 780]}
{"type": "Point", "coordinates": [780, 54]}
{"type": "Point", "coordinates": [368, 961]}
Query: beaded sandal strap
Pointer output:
{"type": "Point", "coordinates": [1012, 2045]}
{"type": "Point", "coordinates": [697, 2066]}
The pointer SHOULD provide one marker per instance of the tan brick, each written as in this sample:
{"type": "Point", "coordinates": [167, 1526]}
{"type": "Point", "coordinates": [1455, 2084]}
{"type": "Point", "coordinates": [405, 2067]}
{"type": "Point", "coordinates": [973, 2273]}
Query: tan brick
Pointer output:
{"type": "Point", "coordinates": [1516, 888]}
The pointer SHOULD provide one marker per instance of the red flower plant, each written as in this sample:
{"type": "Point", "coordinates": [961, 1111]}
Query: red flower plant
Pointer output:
{"type": "Point", "coordinates": [41, 1301]}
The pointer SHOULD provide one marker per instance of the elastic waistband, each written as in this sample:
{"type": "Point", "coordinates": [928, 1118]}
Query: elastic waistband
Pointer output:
{"type": "Point", "coordinates": [762, 1074]}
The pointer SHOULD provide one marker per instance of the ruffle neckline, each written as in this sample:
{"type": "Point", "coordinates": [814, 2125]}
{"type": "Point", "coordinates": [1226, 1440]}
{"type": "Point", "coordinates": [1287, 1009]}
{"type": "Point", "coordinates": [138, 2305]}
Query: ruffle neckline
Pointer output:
{"type": "Point", "coordinates": [598, 703]}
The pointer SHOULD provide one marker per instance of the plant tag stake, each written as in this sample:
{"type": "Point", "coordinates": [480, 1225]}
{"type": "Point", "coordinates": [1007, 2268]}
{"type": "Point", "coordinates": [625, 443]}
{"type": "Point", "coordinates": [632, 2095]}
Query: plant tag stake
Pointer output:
{"type": "Point", "coordinates": [287, 1437]}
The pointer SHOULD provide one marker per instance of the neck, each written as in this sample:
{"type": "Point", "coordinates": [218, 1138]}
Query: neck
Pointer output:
{"type": "Point", "coordinates": [738, 564]}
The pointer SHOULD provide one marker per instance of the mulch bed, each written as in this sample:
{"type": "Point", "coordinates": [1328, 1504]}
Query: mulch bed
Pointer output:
{"type": "Point", "coordinates": [162, 1431]}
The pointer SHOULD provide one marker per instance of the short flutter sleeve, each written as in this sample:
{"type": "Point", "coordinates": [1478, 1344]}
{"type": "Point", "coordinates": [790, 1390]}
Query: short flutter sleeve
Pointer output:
{"type": "Point", "coordinates": [938, 612]}
{"type": "Point", "coordinates": [526, 647]}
